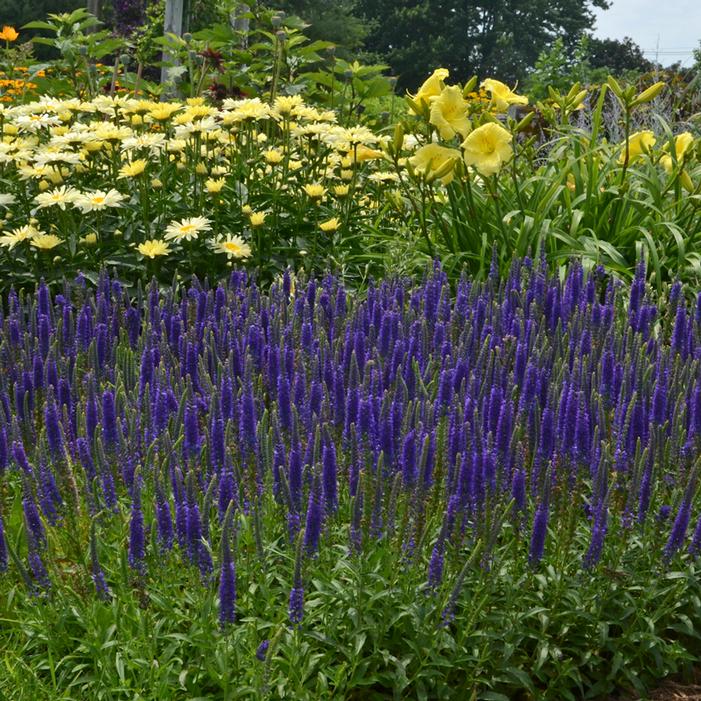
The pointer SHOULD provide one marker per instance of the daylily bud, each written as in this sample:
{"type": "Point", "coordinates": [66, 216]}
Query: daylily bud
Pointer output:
{"type": "Point", "coordinates": [576, 101]}
{"type": "Point", "coordinates": [523, 124]}
{"type": "Point", "coordinates": [650, 94]}
{"type": "Point", "coordinates": [629, 94]}
{"type": "Point", "coordinates": [398, 139]}
{"type": "Point", "coordinates": [441, 172]}
{"type": "Point", "coordinates": [686, 182]}
{"type": "Point", "coordinates": [613, 84]}
{"type": "Point", "coordinates": [415, 106]}
{"type": "Point", "coordinates": [487, 117]}
{"type": "Point", "coordinates": [469, 86]}
{"type": "Point", "coordinates": [554, 94]}
{"type": "Point", "coordinates": [573, 90]}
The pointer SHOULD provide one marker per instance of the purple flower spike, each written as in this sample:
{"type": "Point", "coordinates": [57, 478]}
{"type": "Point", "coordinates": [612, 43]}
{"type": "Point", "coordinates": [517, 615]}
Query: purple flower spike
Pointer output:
{"type": "Point", "coordinates": [540, 528]}
{"type": "Point", "coordinates": [137, 544]}
{"type": "Point", "coordinates": [262, 650]}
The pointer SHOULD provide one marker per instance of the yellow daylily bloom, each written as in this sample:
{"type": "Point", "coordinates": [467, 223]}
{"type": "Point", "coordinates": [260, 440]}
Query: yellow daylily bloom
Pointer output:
{"type": "Point", "coordinates": [431, 87]}
{"type": "Point", "coordinates": [638, 144]}
{"type": "Point", "coordinates": [433, 158]}
{"type": "Point", "coordinates": [487, 148]}
{"type": "Point", "coordinates": [502, 95]}
{"type": "Point", "coordinates": [449, 113]}
{"type": "Point", "coordinates": [682, 143]}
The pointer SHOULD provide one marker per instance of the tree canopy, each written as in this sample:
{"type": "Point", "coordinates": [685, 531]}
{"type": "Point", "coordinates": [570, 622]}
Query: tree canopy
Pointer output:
{"type": "Point", "coordinates": [617, 56]}
{"type": "Point", "coordinates": [486, 37]}
{"type": "Point", "coordinates": [337, 21]}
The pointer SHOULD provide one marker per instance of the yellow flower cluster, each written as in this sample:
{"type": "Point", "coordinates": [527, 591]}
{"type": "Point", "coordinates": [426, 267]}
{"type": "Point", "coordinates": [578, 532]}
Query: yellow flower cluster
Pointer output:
{"type": "Point", "coordinates": [485, 147]}
{"type": "Point", "coordinates": [642, 143]}
{"type": "Point", "coordinates": [175, 173]}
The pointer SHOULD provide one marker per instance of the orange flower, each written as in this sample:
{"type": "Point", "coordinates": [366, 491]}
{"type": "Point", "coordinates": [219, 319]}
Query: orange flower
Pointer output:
{"type": "Point", "coordinates": [9, 33]}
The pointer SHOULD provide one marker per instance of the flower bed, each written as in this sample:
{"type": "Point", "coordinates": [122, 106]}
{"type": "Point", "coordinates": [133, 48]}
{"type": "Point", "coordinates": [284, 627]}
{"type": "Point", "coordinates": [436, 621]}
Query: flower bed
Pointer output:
{"type": "Point", "coordinates": [305, 494]}
{"type": "Point", "coordinates": [151, 188]}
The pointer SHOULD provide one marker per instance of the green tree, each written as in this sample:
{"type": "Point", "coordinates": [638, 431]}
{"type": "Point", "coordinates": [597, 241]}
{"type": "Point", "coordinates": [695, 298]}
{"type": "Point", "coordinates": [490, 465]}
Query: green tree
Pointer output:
{"type": "Point", "coordinates": [618, 57]}
{"type": "Point", "coordinates": [329, 21]}
{"type": "Point", "coordinates": [501, 38]}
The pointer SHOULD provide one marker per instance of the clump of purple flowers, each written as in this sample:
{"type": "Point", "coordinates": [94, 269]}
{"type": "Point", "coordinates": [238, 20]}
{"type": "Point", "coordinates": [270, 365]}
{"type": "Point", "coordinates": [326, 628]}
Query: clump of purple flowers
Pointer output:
{"type": "Point", "coordinates": [426, 417]}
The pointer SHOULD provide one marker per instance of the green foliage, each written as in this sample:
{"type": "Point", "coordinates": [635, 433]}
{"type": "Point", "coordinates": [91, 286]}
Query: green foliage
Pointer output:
{"type": "Point", "coordinates": [617, 57]}
{"type": "Point", "coordinates": [352, 88]}
{"type": "Point", "coordinates": [337, 22]}
{"type": "Point", "coordinates": [567, 191]}
{"type": "Point", "coordinates": [487, 37]}
{"type": "Point", "coordinates": [371, 628]}
{"type": "Point", "coordinates": [273, 56]}
{"type": "Point", "coordinates": [75, 38]}
{"type": "Point", "coordinates": [589, 61]}
{"type": "Point", "coordinates": [18, 13]}
{"type": "Point", "coordinates": [557, 69]}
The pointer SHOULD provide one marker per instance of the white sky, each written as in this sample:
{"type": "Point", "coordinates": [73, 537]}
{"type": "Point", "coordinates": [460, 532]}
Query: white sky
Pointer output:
{"type": "Point", "coordinates": [672, 26]}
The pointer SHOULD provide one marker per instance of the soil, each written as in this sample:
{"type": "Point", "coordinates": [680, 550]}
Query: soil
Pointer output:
{"type": "Point", "coordinates": [671, 690]}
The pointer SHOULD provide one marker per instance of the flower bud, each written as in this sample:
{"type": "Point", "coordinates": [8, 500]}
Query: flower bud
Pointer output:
{"type": "Point", "coordinates": [523, 124]}
{"type": "Point", "coordinates": [615, 87]}
{"type": "Point", "coordinates": [686, 181]}
{"type": "Point", "coordinates": [577, 99]}
{"type": "Point", "coordinates": [650, 94]}
{"type": "Point", "coordinates": [398, 138]}
{"type": "Point", "coordinates": [573, 90]}
{"type": "Point", "coordinates": [470, 86]}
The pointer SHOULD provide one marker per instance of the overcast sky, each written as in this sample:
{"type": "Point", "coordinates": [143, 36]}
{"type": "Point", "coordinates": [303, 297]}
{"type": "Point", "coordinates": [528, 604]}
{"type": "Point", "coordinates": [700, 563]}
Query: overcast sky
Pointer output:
{"type": "Point", "coordinates": [673, 26]}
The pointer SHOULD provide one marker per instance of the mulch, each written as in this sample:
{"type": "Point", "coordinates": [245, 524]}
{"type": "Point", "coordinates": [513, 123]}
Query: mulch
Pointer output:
{"type": "Point", "coordinates": [671, 690]}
